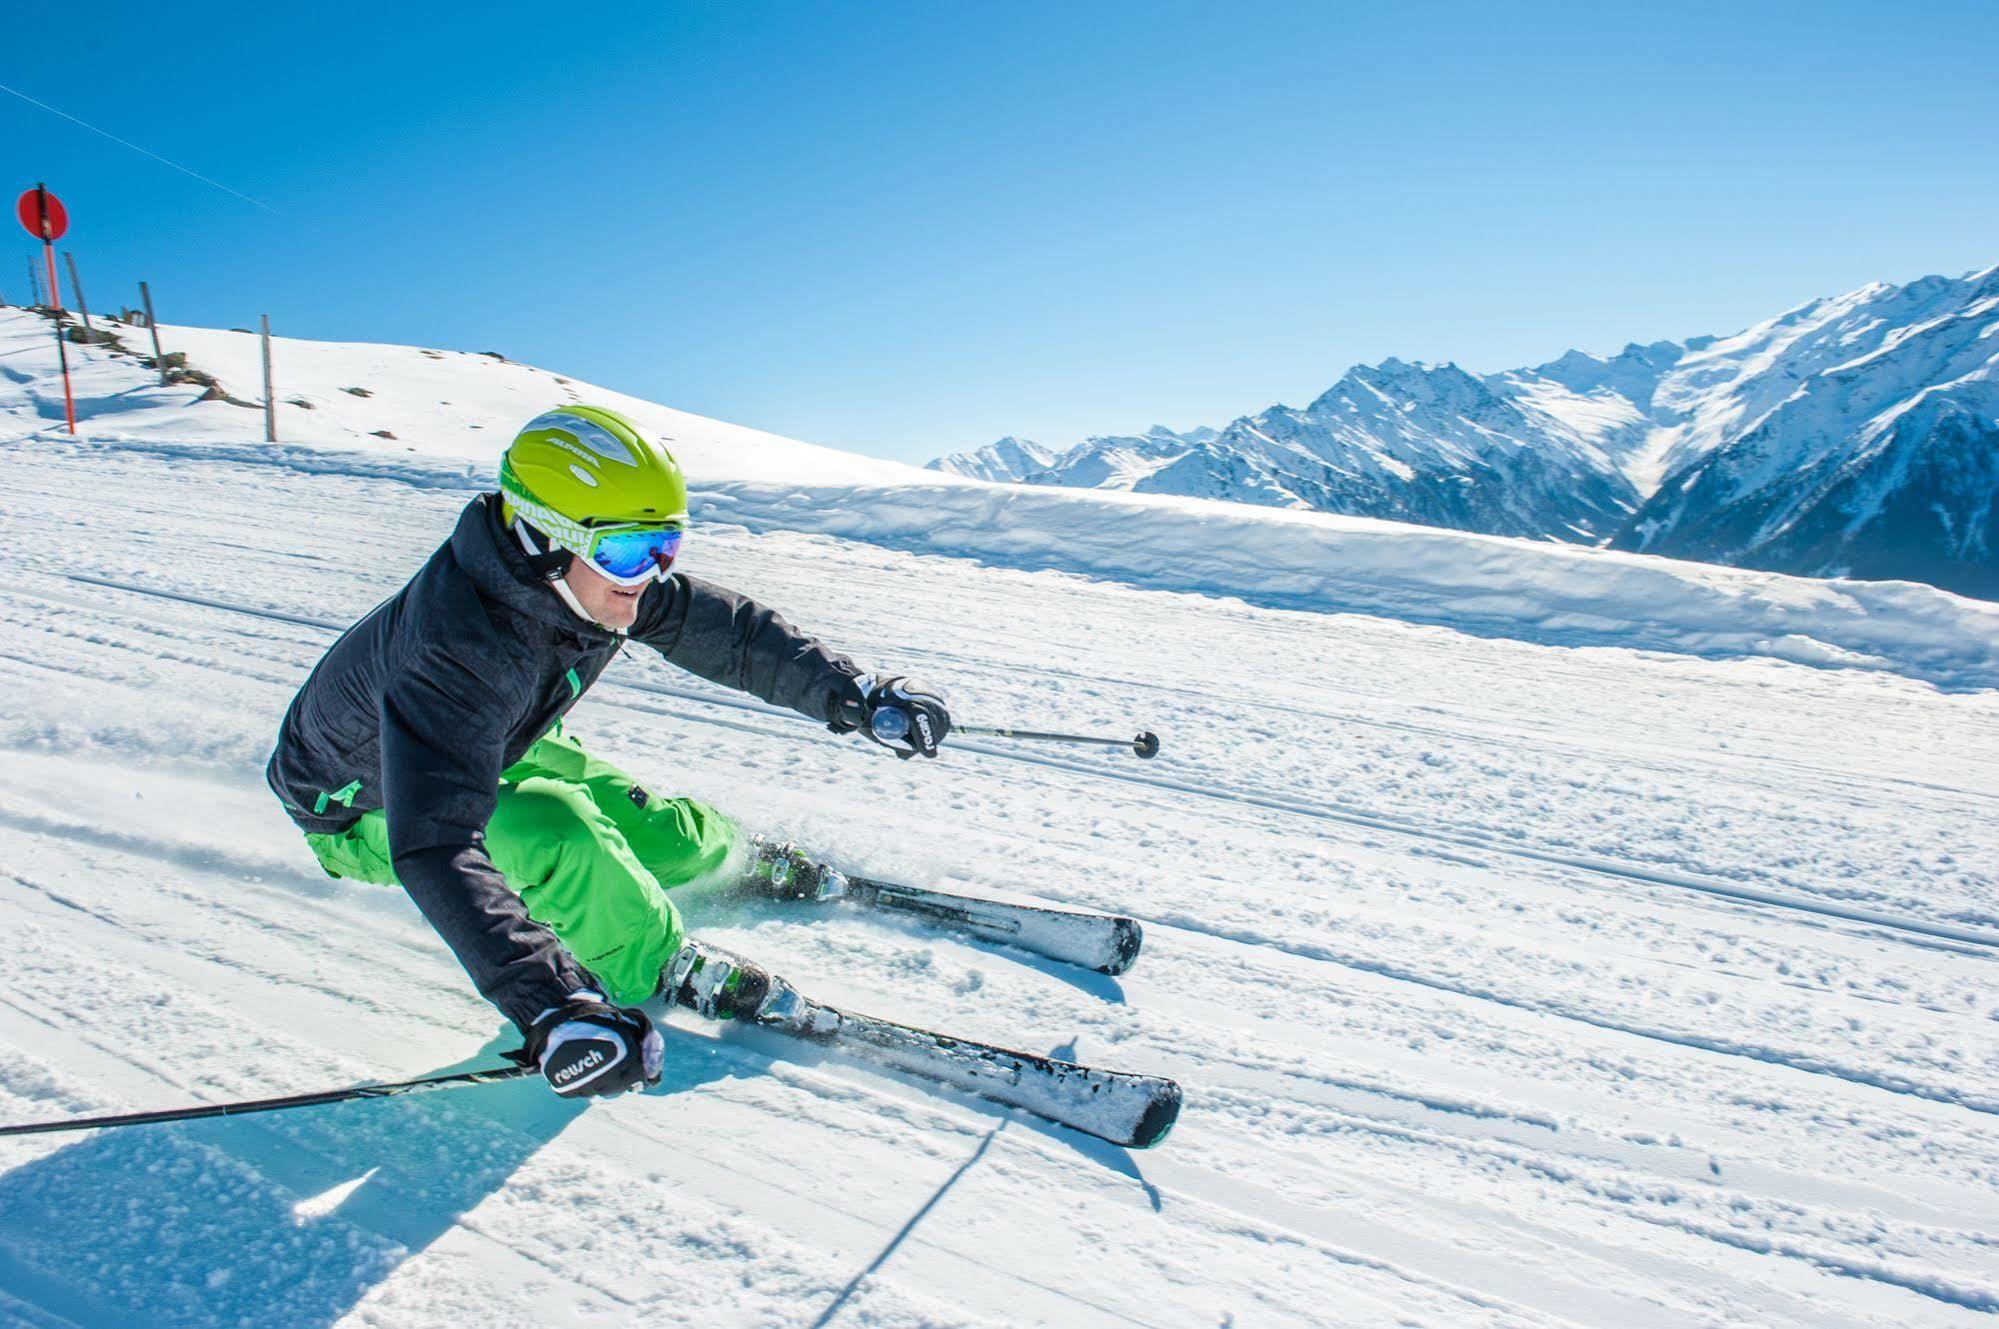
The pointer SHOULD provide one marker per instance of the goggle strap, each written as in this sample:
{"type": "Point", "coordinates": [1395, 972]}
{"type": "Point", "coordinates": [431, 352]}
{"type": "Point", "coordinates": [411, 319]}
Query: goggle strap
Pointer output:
{"type": "Point", "coordinates": [548, 564]}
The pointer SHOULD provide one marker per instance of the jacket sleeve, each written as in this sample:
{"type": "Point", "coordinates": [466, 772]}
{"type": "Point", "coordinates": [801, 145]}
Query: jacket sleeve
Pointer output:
{"type": "Point", "coordinates": [730, 639]}
{"type": "Point", "coordinates": [443, 733]}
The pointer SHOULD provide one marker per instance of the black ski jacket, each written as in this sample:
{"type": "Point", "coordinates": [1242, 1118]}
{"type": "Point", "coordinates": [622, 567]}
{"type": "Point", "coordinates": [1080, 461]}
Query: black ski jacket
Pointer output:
{"type": "Point", "coordinates": [420, 706]}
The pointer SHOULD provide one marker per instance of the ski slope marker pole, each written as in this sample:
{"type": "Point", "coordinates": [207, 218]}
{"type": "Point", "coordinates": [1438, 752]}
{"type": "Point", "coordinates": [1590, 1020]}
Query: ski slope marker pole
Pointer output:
{"type": "Point", "coordinates": [45, 218]}
{"type": "Point", "coordinates": [1145, 745]}
{"type": "Point", "coordinates": [491, 1075]}
{"type": "Point", "coordinates": [270, 403]}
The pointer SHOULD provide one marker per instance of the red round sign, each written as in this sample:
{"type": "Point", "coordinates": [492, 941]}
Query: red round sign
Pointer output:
{"type": "Point", "coordinates": [37, 203]}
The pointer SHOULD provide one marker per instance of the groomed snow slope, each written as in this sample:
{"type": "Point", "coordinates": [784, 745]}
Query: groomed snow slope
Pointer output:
{"type": "Point", "coordinates": [452, 412]}
{"type": "Point", "coordinates": [1510, 984]}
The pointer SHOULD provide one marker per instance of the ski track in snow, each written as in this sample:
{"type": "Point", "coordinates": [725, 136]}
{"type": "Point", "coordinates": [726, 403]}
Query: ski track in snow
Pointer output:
{"type": "Point", "coordinates": [1354, 815]}
{"type": "Point", "coordinates": [1509, 984]}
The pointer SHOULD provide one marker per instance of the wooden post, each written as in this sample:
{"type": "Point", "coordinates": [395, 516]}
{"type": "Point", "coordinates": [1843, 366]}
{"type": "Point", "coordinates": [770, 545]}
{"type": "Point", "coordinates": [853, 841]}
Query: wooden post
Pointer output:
{"type": "Point", "coordinates": [55, 294]}
{"type": "Point", "coordinates": [270, 400]}
{"type": "Point", "coordinates": [76, 284]}
{"type": "Point", "coordinates": [35, 300]}
{"type": "Point", "coordinates": [159, 359]}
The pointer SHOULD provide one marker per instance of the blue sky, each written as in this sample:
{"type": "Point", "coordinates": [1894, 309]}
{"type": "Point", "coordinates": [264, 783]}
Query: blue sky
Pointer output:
{"type": "Point", "coordinates": [909, 229]}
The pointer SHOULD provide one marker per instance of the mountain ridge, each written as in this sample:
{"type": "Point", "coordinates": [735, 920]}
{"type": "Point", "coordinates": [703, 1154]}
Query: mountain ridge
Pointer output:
{"type": "Point", "coordinates": [1804, 443]}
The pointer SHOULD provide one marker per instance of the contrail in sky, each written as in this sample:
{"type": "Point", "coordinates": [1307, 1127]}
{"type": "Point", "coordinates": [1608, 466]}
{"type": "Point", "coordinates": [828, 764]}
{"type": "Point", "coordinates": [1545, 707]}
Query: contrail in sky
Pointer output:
{"type": "Point", "coordinates": [136, 148]}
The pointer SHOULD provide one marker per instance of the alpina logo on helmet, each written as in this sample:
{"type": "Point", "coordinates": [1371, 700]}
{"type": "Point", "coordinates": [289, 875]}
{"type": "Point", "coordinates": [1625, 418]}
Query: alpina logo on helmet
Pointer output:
{"type": "Point", "coordinates": [589, 433]}
{"type": "Point", "coordinates": [581, 454]}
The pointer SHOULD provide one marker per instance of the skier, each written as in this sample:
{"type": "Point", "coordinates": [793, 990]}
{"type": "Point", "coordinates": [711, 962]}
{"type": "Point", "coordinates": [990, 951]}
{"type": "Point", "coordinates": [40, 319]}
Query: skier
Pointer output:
{"type": "Point", "coordinates": [427, 749]}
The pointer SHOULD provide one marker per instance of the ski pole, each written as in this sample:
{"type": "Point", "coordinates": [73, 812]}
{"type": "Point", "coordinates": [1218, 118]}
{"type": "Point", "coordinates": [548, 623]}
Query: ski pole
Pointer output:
{"type": "Point", "coordinates": [1145, 745]}
{"type": "Point", "coordinates": [891, 723]}
{"type": "Point", "coordinates": [491, 1075]}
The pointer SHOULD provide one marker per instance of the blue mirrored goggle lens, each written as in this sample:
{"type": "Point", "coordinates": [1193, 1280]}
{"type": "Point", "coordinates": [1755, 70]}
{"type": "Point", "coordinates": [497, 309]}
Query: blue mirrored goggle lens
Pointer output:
{"type": "Point", "coordinates": [628, 553]}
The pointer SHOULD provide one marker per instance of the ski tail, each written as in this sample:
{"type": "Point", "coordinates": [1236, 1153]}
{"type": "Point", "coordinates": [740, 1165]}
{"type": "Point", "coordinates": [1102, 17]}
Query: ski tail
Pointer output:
{"type": "Point", "coordinates": [1136, 1111]}
{"type": "Point", "coordinates": [1106, 943]}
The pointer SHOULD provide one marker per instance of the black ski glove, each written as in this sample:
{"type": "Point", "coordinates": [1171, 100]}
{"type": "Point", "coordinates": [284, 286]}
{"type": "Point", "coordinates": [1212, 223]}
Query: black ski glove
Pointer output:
{"type": "Point", "coordinates": [904, 717]}
{"type": "Point", "coordinates": [587, 1046]}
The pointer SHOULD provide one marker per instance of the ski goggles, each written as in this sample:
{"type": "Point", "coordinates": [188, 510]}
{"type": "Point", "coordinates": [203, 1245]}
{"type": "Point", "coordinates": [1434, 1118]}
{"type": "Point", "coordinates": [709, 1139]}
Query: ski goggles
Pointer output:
{"type": "Point", "coordinates": [631, 554]}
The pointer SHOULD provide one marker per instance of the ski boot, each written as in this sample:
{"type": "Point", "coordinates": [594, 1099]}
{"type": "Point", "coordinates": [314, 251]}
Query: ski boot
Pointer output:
{"type": "Point", "coordinates": [721, 985]}
{"type": "Point", "coordinates": [783, 872]}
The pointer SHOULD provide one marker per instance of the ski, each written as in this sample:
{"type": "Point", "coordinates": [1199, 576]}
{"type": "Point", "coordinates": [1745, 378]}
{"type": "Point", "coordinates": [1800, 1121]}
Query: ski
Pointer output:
{"type": "Point", "coordinates": [1123, 1108]}
{"type": "Point", "coordinates": [1106, 943]}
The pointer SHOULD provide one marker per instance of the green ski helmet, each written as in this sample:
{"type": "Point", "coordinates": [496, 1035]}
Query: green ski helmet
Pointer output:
{"type": "Point", "coordinates": [584, 481]}
{"type": "Point", "coordinates": [583, 466]}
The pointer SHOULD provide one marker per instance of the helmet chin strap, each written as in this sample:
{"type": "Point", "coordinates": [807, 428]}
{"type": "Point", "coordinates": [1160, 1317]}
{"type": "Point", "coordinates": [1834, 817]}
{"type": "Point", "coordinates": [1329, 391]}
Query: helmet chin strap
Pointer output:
{"type": "Point", "coordinates": [550, 564]}
{"type": "Point", "coordinates": [561, 587]}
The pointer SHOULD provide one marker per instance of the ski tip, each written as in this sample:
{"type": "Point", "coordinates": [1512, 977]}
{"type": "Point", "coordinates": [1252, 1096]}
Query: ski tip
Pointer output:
{"type": "Point", "coordinates": [1160, 1114]}
{"type": "Point", "coordinates": [1126, 940]}
{"type": "Point", "coordinates": [1146, 745]}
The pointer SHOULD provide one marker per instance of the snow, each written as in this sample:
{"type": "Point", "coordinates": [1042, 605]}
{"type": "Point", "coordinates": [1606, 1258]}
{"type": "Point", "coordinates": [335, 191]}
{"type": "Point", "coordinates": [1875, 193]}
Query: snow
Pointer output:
{"type": "Point", "coordinates": [466, 407]}
{"type": "Point", "coordinates": [1009, 456]}
{"type": "Point", "coordinates": [1542, 936]}
{"type": "Point", "coordinates": [444, 406]}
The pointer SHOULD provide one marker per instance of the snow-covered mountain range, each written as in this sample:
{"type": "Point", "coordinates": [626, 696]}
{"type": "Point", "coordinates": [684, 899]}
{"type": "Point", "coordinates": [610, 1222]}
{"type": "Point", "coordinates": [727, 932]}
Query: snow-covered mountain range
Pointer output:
{"type": "Point", "coordinates": [1852, 436]}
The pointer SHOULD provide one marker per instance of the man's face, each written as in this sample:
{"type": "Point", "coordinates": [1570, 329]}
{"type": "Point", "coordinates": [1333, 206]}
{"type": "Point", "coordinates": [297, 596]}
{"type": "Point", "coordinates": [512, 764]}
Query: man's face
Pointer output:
{"type": "Point", "coordinates": [604, 600]}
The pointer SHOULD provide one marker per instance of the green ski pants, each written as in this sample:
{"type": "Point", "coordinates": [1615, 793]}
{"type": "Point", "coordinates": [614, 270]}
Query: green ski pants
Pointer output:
{"type": "Point", "coordinates": [588, 850]}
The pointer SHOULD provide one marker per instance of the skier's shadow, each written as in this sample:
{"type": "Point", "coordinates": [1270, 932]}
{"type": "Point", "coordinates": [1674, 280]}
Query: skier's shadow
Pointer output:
{"type": "Point", "coordinates": [1115, 1157]}
{"type": "Point", "coordinates": [285, 1218]}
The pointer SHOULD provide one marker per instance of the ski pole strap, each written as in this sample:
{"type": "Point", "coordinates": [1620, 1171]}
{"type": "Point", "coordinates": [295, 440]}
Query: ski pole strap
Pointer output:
{"type": "Point", "coordinates": [1146, 744]}
{"type": "Point", "coordinates": [490, 1075]}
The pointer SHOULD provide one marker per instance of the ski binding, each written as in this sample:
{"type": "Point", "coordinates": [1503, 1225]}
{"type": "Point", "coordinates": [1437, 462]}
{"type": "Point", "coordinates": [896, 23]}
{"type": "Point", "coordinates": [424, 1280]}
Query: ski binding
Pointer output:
{"type": "Point", "coordinates": [1127, 1109]}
